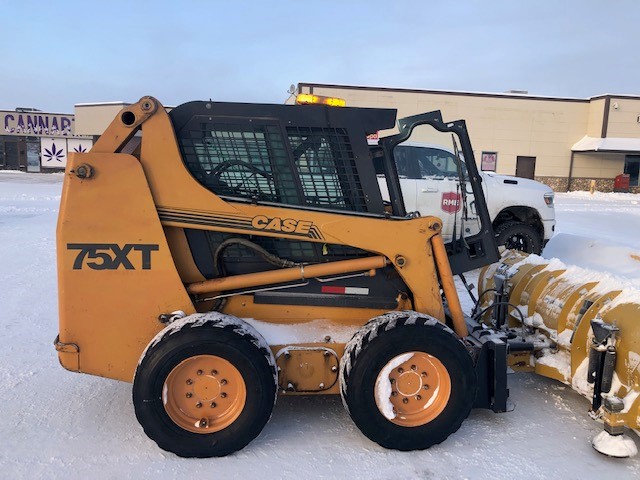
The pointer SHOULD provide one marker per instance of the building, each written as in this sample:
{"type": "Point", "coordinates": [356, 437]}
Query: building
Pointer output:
{"type": "Point", "coordinates": [92, 119]}
{"type": "Point", "coordinates": [35, 141]}
{"type": "Point", "coordinates": [567, 143]}
{"type": "Point", "coordinates": [564, 142]}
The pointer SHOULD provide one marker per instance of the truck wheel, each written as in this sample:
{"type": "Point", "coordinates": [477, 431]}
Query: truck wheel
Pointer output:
{"type": "Point", "coordinates": [407, 381]}
{"type": "Point", "coordinates": [205, 388]}
{"type": "Point", "coordinates": [518, 236]}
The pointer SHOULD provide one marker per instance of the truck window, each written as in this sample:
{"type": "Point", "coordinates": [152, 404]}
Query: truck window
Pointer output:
{"type": "Point", "coordinates": [424, 162]}
{"type": "Point", "coordinates": [441, 160]}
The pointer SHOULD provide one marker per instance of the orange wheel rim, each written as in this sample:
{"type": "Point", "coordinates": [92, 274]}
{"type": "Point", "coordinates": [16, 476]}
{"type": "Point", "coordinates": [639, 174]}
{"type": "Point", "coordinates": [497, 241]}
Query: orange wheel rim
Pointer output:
{"type": "Point", "coordinates": [204, 394]}
{"type": "Point", "coordinates": [413, 389]}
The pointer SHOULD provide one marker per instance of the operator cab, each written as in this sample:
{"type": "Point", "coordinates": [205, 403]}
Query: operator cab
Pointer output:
{"type": "Point", "coordinates": [311, 156]}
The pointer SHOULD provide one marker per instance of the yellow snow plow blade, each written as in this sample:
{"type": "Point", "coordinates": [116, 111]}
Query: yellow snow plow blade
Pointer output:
{"type": "Point", "coordinates": [583, 326]}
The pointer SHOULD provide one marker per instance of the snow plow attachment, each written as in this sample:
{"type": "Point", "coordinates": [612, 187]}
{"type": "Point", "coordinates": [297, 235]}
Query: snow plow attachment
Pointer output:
{"type": "Point", "coordinates": [581, 328]}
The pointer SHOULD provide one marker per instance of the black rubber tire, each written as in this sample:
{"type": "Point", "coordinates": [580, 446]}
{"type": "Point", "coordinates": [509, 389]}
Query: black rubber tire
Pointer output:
{"type": "Point", "coordinates": [215, 338]}
{"type": "Point", "coordinates": [518, 236]}
{"type": "Point", "coordinates": [381, 340]}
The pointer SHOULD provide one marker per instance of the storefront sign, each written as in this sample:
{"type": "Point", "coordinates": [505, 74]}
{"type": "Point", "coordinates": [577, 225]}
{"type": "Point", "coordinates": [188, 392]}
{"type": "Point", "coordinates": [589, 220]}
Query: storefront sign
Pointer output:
{"type": "Point", "coordinates": [35, 123]}
{"type": "Point", "coordinates": [54, 151]}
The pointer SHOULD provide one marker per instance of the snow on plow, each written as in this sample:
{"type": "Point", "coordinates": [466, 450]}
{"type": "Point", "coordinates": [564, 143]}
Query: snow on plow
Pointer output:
{"type": "Point", "coordinates": [584, 330]}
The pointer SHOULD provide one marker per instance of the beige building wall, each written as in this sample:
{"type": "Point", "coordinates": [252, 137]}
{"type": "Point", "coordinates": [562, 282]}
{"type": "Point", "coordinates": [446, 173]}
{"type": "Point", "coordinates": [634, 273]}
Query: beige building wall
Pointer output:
{"type": "Point", "coordinates": [510, 125]}
{"type": "Point", "coordinates": [596, 117]}
{"type": "Point", "coordinates": [94, 118]}
{"type": "Point", "coordinates": [623, 118]}
{"type": "Point", "coordinates": [519, 125]}
{"type": "Point", "coordinates": [597, 165]}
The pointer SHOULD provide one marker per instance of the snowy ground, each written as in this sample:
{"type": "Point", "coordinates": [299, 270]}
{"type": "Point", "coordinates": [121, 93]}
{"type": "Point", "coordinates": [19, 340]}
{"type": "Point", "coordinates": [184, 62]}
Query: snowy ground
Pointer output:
{"type": "Point", "coordinates": [57, 424]}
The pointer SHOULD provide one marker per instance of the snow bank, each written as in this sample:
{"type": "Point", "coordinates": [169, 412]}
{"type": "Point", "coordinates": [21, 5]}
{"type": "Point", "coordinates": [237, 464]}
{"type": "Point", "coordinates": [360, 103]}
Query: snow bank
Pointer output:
{"type": "Point", "coordinates": [597, 197]}
{"type": "Point", "coordinates": [595, 254]}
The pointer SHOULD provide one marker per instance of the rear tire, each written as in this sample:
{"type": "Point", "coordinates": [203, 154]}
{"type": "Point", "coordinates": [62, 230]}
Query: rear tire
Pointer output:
{"type": "Point", "coordinates": [518, 236]}
{"type": "Point", "coordinates": [407, 381]}
{"type": "Point", "coordinates": [205, 388]}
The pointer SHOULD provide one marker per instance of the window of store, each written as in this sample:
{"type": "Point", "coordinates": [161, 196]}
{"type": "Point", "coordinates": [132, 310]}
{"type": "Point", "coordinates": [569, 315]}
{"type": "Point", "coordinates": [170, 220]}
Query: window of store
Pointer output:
{"type": "Point", "coordinates": [33, 154]}
{"type": "Point", "coordinates": [632, 167]}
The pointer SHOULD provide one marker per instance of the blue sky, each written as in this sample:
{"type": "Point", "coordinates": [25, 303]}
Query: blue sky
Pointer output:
{"type": "Point", "coordinates": [56, 54]}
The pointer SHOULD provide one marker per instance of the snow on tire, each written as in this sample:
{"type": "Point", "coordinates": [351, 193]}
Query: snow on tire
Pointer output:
{"type": "Point", "coordinates": [205, 386]}
{"type": "Point", "coordinates": [407, 381]}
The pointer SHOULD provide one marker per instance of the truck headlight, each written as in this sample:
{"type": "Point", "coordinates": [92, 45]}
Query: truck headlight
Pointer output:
{"type": "Point", "coordinates": [548, 199]}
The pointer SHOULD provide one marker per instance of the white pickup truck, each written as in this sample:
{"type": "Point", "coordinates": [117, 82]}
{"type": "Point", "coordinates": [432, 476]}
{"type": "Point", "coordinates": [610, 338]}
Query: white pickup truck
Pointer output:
{"type": "Point", "coordinates": [521, 210]}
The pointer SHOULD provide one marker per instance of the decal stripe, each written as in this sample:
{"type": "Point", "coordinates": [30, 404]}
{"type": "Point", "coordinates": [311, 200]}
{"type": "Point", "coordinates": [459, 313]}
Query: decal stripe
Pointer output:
{"type": "Point", "coordinates": [345, 290]}
{"type": "Point", "coordinates": [225, 221]}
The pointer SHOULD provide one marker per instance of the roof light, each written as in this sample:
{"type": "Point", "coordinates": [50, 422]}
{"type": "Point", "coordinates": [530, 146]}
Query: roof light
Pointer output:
{"type": "Point", "coordinates": [309, 99]}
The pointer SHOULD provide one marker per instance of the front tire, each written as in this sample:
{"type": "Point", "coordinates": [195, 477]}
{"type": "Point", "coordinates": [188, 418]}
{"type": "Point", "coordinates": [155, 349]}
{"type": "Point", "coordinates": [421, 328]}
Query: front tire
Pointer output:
{"type": "Point", "coordinates": [518, 236]}
{"type": "Point", "coordinates": [407, 381]}
{"type": "Point", "coordinates": [205, 388]}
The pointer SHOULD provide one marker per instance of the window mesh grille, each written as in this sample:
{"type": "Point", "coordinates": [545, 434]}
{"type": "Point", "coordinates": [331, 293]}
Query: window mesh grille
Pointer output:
{"type": "Point", "coordinates": [248, 161]}
{"type": "Point", "coordinates": [326, 166]}
{"type": "Point", "coordinates": [251, 160]}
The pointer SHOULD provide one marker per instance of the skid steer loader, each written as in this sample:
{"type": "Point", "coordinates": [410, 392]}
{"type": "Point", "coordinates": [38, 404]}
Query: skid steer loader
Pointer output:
{"type": "Point", "coordinates": [241, 251]}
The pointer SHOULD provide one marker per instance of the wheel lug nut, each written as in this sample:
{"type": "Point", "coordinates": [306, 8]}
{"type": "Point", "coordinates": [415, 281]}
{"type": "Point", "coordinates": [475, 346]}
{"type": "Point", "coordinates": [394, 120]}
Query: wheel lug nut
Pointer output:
{"type": "Point", "coordinates": [213, 405]}
{"type": "Point", "coordinates": [189, 394]}
{"type": "Point", "coordinates": [223, 395]}
{"type": "Point", "coordinates": [214, 372]}
{"type": "Point", "coordinates": [189, 381]}
{"type": "Point", "coordinates": [405, 400]}
{"type": "Point", "coordinates": [418, 397]}
{"type": "Point", "coordinates": [400, 369]}
{"type": "Point", "coordinates": [200, 372]}
{"type": "Point", "coordinates": [394, 394]}
{"type": "Point", "coordinates": [426, 387]}
{"type": "Point", "coordinates": [392, 381]}
{"type": "Point", "coordinates": [413, 367]}
{"type": "Point", "coordinates": [424, 374]}
{"type": "Point", "coordinates": [198, 405]}
{"type": "Point", "coordinates": [223, 382]}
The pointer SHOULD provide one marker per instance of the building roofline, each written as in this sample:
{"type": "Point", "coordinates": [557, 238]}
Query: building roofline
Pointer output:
{"type": "Point", "coordinates": [96, 104]}
{"type": "Point", "coordinates": [615, 95]}
{"type": "Point", "coordinates": [2, 110]}
{"type": "Point", "coordinates": [517, 96]}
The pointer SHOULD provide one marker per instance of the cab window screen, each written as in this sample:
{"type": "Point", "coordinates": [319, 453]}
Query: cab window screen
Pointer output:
{"type": "Point", "coordinates": [237, 160]}
{"type": "Point", "coordinates": [326, 167]}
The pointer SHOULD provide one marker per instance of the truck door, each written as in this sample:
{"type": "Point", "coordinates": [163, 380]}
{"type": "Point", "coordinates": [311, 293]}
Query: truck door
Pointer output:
{"type": "Point", "coordinates": [437, 187]}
